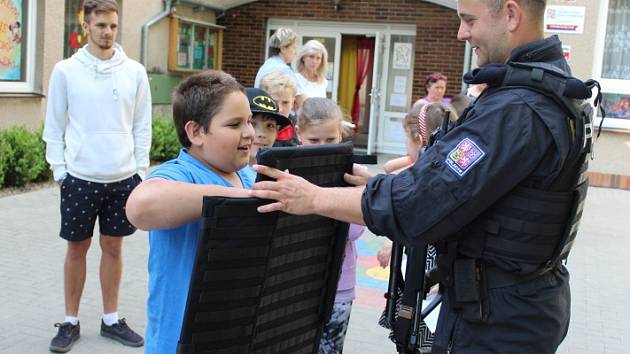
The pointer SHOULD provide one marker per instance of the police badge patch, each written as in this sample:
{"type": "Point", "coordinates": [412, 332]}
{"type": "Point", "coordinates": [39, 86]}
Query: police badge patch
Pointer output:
{"type": "Point", "coordinates": [464, 156]}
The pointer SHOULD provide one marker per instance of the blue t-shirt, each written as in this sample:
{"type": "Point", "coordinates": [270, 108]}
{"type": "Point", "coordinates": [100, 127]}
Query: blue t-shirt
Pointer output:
{"type": "Point", "coordinates": [171, 256]}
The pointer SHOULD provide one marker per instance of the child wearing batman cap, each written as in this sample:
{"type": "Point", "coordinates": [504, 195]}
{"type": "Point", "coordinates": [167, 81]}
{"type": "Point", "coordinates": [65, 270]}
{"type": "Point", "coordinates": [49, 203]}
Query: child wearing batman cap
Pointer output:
{"type": "Point", "coordinates": [266, 120]}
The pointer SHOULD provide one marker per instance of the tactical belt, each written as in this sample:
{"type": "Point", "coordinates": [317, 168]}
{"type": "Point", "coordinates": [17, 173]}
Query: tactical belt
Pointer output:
{"type": "Point", "coordinates": [499, 278]}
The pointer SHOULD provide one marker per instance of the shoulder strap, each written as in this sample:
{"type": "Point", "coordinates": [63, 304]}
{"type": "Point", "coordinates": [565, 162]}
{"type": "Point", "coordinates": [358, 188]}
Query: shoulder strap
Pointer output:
{"type": "Point", "coordinates": [568, 92]}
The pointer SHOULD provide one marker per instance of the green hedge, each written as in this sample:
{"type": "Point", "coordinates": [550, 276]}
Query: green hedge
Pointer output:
{"type": "Point", "coordinates": [164, 145]}
{"type": "Point", "coordinates": [23, 157]}
{"type": "Point", "coordinates": [23, 152]}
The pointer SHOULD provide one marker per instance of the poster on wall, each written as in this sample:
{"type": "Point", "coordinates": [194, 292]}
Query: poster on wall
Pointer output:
{"type": "Point", "coordinates": [564, 19]}
{"type": "Point", "coordinates": [402, 56]}
{"type": "Point", "coordinates": [11, 23]}
{"type": "Point", "coordinates": [616, 105]}
{"type": "Point", "coordinates": [400, 84]}
{"type": "Point", "coordinates": [75, 36]}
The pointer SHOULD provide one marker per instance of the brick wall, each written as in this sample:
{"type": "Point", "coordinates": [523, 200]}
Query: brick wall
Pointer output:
{"type": "Point", "coordinates": [437, 48]}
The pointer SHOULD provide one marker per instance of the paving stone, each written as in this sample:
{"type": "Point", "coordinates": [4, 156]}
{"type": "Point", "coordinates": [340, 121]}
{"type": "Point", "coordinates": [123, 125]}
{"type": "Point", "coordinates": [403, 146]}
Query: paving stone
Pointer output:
{"type": "Point", "coordinates": [31, 294]}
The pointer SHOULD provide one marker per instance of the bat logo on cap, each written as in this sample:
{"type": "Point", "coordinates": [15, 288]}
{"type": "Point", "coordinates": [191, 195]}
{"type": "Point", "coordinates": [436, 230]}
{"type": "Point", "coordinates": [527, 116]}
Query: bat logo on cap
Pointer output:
{"type": "Point", "coordinates": [265, 102]}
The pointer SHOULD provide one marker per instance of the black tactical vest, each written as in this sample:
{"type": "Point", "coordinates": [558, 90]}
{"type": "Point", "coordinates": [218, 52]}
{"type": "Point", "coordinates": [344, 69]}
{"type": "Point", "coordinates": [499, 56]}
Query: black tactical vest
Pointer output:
{"type": "Point", "coordinates": [529, 225]}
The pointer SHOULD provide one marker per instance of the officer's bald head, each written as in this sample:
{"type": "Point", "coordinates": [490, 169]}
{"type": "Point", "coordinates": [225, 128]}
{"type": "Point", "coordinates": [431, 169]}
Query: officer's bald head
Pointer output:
{"type": "Point", "coordinates": [534, 8]}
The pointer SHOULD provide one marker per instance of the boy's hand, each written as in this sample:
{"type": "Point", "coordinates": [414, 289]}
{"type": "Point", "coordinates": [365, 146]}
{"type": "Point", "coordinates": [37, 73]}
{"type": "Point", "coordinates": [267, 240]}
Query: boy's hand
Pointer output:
{"type": "Point", "coordinates": [294, 194]}
{"type": "Point", "coordinates": [359, 176]}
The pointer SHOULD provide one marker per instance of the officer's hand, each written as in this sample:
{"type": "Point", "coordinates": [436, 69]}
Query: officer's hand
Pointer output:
{"type": "Point", "coordinates": [359, 176]}
{"type": "Point", "coordinates": [294, 194]}
{"type": "Point", "coordinates": [384, 254]}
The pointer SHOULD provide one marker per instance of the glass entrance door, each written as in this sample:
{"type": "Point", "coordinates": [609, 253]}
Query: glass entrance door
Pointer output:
{"type": "Point", "coordinates": [395, 93]}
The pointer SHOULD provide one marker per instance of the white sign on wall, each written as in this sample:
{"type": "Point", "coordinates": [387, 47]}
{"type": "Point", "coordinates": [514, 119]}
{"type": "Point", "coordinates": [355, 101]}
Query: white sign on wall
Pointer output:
{"type": "Point", "coordinates": [564, 19]}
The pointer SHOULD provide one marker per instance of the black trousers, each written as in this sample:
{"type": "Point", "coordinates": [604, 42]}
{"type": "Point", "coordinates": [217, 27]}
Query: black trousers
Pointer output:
{"type": "Point", "coordinates": [530, 317]}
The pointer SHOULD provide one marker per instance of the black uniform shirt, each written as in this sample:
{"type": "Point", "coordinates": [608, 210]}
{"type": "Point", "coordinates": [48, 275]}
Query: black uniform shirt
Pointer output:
{"type": "Point", "coordinates": [501, 142]}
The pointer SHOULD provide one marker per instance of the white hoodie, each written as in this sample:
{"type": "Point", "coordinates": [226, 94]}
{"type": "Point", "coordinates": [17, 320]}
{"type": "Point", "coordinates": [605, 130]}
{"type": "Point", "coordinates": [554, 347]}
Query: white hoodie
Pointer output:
{"type": "Point", "coordinates": [107, 134]}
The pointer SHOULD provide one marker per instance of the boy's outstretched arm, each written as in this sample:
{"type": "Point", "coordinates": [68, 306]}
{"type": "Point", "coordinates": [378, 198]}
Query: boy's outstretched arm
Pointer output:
{"type": "Point", "coordinates": [158, 203]}
{"type": "Point", "coordinates": [295, 195]}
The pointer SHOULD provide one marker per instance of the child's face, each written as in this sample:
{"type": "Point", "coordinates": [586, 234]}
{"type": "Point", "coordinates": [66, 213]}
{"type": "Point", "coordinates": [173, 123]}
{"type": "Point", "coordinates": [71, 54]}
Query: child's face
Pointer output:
{"type": "Point", "coordinates": [325, 133]}
{"type": "Point", "coordinates": [266, 130]}
{"type": "Point", "coordinates": [225, 147]}
{"type": "Point", "coordinates": [285, 100]}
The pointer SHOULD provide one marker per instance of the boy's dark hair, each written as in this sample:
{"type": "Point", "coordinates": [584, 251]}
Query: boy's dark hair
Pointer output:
{"type": "Point", "coordinates": [200, 97]}
{"type": "Point", "coordinates": [459, 102]}
{"type": "Point", "coordinates": [98, 6]}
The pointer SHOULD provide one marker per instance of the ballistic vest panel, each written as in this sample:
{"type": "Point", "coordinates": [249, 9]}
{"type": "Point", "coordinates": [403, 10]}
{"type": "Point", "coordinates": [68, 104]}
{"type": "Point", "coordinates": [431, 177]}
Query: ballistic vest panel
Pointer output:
{"type": "Point", "coordinates": [531, 225]}
{"type": "Point", "coordinates": [266, 283]}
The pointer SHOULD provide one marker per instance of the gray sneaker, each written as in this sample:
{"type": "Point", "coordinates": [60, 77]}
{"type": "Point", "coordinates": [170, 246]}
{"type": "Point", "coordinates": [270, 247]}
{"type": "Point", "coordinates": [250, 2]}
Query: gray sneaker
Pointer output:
{"type": "Point", "coordinates": [65, 338]}
{"type": "Point", "coordinates": [122, 333]}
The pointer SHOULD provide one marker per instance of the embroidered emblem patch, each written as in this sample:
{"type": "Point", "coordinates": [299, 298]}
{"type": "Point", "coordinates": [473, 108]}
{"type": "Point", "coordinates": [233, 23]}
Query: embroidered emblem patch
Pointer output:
{"type": "Point", "coordinates": [464, 156]}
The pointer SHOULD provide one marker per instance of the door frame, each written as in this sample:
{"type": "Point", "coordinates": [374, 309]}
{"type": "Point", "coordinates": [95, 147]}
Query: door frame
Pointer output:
{"type": "Point", "coordinates": [336, 29]}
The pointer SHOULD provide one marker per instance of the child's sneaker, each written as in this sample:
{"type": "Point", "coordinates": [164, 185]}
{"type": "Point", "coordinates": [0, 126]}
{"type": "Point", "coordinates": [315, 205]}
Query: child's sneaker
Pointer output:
{"type": "Point", "coordinates": [65, 338]}
{"type": "Point", "coordinates": [122, 333]}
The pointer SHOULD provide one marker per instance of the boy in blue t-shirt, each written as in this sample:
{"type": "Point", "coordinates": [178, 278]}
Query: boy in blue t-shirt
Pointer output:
{"type": "Point", "coordinates": [213, 123]}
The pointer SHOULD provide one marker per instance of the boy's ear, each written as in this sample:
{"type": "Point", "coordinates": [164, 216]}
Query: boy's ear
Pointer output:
{"type": "Point", "coordinates": [194, 132]}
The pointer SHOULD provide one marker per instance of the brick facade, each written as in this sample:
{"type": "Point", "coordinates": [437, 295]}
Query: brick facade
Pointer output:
{"type": "Point", "coordinates": [437, 48]}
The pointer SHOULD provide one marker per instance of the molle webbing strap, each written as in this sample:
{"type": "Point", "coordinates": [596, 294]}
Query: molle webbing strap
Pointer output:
{"type": "Point", "coordinates": [266, 283]}
{"type": "Point", "coordinates": [525, 225]}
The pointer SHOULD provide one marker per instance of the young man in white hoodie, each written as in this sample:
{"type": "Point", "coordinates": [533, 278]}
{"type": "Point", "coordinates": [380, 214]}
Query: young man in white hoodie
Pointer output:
{"type": "Point", "coordinates": [98, 136]}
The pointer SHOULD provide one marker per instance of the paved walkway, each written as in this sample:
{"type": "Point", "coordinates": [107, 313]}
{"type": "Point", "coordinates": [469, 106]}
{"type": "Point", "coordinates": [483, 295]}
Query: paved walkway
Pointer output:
{"type": "Point", "coordinates": [31, 292]}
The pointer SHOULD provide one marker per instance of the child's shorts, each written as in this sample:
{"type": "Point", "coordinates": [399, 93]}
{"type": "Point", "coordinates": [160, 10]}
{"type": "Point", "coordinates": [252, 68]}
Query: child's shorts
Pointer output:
{"type": "Point", "coordinates": [83, 201]}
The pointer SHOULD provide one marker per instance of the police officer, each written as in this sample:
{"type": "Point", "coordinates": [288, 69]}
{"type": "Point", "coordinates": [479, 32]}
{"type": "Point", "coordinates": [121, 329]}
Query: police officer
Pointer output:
{"type": "Point", "coordinates": [495, 194]}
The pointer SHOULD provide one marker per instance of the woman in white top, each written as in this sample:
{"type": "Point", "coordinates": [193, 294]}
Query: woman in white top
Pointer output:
{"type": "Point", "coordinates": [310, 66]}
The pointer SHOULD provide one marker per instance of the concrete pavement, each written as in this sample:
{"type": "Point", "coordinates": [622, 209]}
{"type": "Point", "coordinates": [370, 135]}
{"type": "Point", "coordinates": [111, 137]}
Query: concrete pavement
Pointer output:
{"type": "Point", "coordinates": [31, 291]}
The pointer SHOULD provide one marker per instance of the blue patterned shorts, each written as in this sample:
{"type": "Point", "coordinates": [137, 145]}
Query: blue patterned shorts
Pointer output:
{"type": "Point", "coordinates": [82, 202]}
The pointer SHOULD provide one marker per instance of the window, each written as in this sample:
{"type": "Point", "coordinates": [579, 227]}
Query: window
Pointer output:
{"type": "Point", "coordinates": [612, 63]}
{"type": "Point", "coordinates": [194, 45]}
{"type": "Point", "coordinates": [17, 45]}
{"type": "Point", "coordinates": [74, 36]}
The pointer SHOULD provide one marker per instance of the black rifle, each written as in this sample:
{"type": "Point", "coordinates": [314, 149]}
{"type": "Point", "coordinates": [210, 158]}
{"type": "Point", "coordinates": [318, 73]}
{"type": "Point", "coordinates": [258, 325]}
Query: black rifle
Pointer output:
{"type": "Point", "coordinates": [404, 298]}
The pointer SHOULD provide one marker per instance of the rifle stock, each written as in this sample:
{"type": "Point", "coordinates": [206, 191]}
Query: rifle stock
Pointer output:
{"type": "Point", "coordinates": [410, 314]}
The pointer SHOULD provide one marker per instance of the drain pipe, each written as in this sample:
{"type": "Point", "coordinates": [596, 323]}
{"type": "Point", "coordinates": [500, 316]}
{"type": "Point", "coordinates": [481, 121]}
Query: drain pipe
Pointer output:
{"type": "Point", "coordinates": [144, 53]}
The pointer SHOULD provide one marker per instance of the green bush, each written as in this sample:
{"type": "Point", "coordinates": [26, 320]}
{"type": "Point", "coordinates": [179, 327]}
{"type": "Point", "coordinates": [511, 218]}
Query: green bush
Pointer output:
{"type": "Point", "coordinates": [5, 152]}
{"type": "Point", "coordinates": [23, 152]}
{"type": "Point", "coordinates": [46, 173]}
{"type": "Point", "coordinates": [26, 162]}
{"type": "Point", "coordinates": [164, 144]}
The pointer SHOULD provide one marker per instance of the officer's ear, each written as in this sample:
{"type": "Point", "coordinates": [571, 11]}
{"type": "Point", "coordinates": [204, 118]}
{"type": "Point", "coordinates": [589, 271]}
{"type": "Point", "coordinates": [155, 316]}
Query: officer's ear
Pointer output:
{"type": "Point", "coordinates": [514, 15]}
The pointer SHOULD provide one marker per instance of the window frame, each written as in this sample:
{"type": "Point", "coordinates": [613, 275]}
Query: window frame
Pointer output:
{"type": "Point", "coordinates": [613, 86]}
{"type": "Point", "coordinates": [26, 86]}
